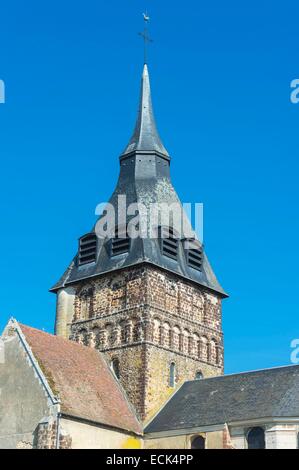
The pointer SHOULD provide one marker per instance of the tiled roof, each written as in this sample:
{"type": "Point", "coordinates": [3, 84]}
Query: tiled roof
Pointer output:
{"type": "Point", "coordinates": [269, 393]}
{"type": "Point", "coordinates": [83, 380]}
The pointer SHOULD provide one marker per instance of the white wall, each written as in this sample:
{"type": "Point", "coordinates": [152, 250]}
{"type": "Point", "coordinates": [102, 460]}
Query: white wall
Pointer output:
{"type": "Point", "coordinates": [281, 436]}
{"type": "Point", "coordinates": [87, 436]}
{"type": "Point", "coordinates": [277, 436]}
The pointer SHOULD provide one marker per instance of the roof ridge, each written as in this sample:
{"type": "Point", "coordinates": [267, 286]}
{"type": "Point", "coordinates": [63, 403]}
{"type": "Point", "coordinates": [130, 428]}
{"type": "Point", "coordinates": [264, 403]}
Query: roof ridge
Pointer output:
{"type": "Point", "coordinates": [245, 372]}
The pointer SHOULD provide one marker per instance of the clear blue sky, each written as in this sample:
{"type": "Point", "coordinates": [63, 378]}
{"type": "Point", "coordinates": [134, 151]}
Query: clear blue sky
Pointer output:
{"type": "Point", "coordinates": [221, 74]}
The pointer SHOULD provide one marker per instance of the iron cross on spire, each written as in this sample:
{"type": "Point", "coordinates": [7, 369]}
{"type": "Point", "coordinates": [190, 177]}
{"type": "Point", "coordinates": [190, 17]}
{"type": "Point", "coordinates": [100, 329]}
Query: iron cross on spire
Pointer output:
{"type": "Point", "coordinates": [145, 35]}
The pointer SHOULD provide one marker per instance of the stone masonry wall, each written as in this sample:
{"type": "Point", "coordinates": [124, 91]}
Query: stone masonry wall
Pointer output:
{"type": "Point", "coordinates": [148, 318]}
{"type": "Point", "coordinates": [46, 436]}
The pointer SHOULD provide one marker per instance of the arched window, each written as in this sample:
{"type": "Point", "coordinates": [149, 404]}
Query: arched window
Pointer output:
{"type": "Point", "coordinates": [172, 373]}
{"type": "Point", "coordinates": [198, 442]}
{"type": "Point", "coordinates": [198, 375]}
{"type": "Point", "coordinates": [115, 367]}
{"type": "Point", "coordinates": [256, 438]}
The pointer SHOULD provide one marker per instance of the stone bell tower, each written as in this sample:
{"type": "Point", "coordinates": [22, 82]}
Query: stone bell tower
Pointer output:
{"type": "Point", "coordinates": [152, 304]}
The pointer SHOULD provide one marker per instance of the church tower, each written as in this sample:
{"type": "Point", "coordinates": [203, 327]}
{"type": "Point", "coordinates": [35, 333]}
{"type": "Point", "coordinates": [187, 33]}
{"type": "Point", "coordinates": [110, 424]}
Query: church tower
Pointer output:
{"type": "Point", "coordinates": [151, 303]}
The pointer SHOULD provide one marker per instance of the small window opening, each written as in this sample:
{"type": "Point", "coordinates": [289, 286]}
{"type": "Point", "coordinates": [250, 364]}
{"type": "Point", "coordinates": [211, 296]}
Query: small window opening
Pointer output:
{"type": "Point", "coordinates": [120, 243]}
{"type": "Point", "coordinates": [87, 249]}
{"type": "Point", "coordinates": [172, 373]}
{"type": "Point", "coordinates": [115, 368]}
{"type": "Point", "coordinates": [168, 242]}
{"type": "Point", "coordinates": [256, 438]}
{"type": "Point", "coordinates": [198, 442]}
{"type": "Point", "coordinates": [194, 254]}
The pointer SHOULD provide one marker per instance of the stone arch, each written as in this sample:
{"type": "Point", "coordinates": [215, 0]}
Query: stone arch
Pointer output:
{"type": "Point", "coordinates": [256, 438]}
{"type": "Point", "coordinates": [198, 442]}
{"type": "Point", "coordinates": [122, 329]}
{"type": "Point", "coordinates": [82, 337]}
{"type": "Point", "coordinates": [129, 331]}
{"type": "Point", "coordinates": [94, 337]}
{"type": "Point", "coordinates": [198, 375]}
{"type": "Point", "coordinates": [103, 338]}
{"type": "Point", "coordinates": [115, 334]}
{"type": "Point", "coordinates": [140, 330]}
{"type": "Point", "coordinates": [196, 345]}
{"type": "Point", "coordinates": [219, 354]}
{"type": "Point", "coordinates": [213, 351]}
{"type": "Point", "coordinates": [157, 330]}
{"type": "Point", "coordinates": [108, 335]}
{"type": "Point", "coordinates": [175, 333]}
{"type": "Point", "coordinates": [166, 334]}
{"type": "Point", "coordinates": [186, 341]}
{"type": "Point", "coordinates": [135, 329]}
{"type": "Point", "coordinates": [204, 348]}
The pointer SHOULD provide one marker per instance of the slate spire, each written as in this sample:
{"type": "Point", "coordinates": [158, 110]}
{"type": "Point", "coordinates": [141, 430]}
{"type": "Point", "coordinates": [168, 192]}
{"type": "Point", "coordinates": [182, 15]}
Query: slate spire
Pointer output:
{"type": "Point", "coordinates": [145, 137]}
{"type": "Point", "coordinates": [144, 179]}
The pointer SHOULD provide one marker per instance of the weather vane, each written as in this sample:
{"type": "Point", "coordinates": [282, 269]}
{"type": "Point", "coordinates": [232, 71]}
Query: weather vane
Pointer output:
{"type": "Point", "coordinates": [145, 35]}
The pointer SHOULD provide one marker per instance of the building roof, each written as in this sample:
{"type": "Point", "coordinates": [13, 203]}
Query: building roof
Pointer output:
{"type": "Point", "coordinates": [270, 393]}
{"type": "Point", "coordinates": [82, 379]}
{"type": "Point", "coordinates": [144, 180]}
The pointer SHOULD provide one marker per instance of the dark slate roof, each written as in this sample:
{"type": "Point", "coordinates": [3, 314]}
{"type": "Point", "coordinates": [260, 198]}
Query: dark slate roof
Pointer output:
{"type": "Point", "coordinates": [239, 397]}
{"type": "Point", "coordinates": [82, 379]}
{"type": "Point", "coordinates": [145, 136]}
{"type": "Point", "coordinates": [144, 179]}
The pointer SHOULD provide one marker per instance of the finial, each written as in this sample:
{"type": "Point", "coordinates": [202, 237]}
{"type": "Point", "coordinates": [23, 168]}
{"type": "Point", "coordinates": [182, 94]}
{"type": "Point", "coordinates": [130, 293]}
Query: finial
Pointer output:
{"type": "Point", "coordinates": [145, 35]}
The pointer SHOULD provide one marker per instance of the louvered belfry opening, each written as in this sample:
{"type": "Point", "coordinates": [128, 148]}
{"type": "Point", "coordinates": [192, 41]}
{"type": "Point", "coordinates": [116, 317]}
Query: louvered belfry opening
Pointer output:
{"type": "Point", "coordinates": [194, 254]}
{"type": "Point", "coordinates": [87, 249]}
{"type": "Point", "coordinates": [120, 244]}
{"type": "Point", "coordinates": [168, 242]}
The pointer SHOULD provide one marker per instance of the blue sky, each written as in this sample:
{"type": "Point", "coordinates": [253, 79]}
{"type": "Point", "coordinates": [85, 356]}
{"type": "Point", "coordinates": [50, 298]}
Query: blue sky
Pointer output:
{"type": "Point", "coordinates": [221, 74]}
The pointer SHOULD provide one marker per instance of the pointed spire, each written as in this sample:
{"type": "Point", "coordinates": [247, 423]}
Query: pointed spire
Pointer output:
{"type": "Point", "coordinates": [146, 136]}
